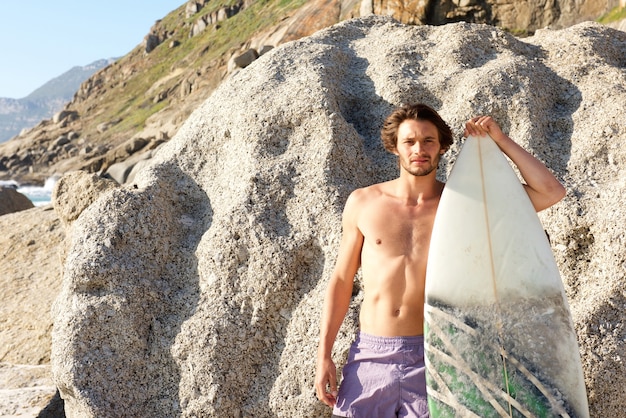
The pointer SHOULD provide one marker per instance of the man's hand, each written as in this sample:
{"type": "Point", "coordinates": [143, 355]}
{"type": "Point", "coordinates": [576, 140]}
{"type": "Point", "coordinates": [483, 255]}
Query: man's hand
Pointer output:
{"type": "Point", "coordinates": [543, 189]}
{"type": "Point", "coordinates": [326, 378]}
{"type": "Point", "coordinates": [483, 125]}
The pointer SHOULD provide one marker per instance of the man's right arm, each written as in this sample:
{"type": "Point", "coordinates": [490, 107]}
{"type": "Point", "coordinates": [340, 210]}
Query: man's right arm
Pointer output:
{"type": "Point", "coordinates": [337, 299]}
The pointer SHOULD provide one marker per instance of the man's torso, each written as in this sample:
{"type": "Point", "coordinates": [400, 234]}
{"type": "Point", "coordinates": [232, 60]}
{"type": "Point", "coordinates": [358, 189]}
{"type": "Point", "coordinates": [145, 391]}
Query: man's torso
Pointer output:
{"type": "Point", "coordinates": [396, 235]}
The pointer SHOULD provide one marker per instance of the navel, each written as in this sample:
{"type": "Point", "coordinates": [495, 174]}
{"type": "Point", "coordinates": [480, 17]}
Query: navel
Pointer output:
{"type": "Point", "coordinates": [396, 312]}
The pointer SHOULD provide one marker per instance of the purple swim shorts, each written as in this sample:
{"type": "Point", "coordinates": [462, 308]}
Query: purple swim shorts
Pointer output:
{"type": "Point", "coordinates": [383, 377]}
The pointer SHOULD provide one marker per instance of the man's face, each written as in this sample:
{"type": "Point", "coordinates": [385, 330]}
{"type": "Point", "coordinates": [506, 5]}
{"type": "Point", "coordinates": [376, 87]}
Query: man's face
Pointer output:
{"type": "Point", "coordinates": [418, 147]}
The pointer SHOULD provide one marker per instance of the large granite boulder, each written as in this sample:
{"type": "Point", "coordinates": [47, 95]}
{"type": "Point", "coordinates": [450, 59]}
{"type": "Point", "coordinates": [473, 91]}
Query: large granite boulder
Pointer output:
{"type": "Point", "coordinates": [196, 290]}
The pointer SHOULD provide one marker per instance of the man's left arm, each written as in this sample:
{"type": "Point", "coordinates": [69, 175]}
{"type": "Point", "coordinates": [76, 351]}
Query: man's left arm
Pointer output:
{"type": "Point", "coordinates": [544, 190]}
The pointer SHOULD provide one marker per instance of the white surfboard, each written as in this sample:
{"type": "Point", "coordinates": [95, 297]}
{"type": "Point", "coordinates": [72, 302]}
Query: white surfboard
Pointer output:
{"type": "Point", "coordinates": [498, 332]}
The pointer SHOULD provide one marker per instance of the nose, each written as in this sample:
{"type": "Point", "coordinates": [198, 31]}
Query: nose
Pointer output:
{"type": "Point", "coordinates": [416, 148]}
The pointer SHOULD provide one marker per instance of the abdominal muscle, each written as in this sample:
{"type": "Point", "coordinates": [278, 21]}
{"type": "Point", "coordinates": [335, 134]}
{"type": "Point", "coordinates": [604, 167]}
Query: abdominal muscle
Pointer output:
{"type": "Point", "coordinates": [393, 303]}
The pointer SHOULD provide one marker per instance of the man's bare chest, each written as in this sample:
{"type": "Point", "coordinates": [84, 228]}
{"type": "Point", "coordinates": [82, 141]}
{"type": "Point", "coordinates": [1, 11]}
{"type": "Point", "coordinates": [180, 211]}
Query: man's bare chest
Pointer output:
{"type": "Point", "coordinates": [397, 231]}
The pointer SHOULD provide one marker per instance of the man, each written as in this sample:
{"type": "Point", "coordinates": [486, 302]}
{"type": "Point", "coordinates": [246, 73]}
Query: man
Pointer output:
{"type": "Point", "coordinates": [386, 232]}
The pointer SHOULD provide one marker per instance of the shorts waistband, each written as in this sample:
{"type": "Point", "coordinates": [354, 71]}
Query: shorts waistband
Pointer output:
{"type": "Point", "coordinates": [391, 341]}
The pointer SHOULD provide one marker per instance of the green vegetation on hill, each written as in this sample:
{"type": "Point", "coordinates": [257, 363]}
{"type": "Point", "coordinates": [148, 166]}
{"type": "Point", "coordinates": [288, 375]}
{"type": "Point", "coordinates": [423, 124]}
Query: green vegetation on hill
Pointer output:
{"type": "Point", "coordinates": [130, 105]}
{"type": "Point", "coordinates": [615, 15]}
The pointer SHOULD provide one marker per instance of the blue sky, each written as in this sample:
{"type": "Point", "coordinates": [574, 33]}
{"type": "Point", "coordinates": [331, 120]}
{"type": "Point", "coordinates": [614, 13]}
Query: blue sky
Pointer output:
{"type": "Point", "coordinates": [42, 39]}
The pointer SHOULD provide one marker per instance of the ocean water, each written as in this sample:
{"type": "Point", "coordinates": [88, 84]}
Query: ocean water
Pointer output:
{"type": "Point", "coordinates": [39, 195]}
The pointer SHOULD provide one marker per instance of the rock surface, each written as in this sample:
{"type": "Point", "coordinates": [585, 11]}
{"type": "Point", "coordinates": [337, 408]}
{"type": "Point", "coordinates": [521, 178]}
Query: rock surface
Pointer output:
{"type": "Point", "coordinates": [30, 245]}
{"type": "Point", "coordinates": [26, 390]}
{"type": "Point", "coordinates": [197, 289]}
{"type": "Point", "coordinates": [517, 16]}
{"type": "Point", "coordinates": [32, 250]}
{"type": "Point", "coordinates": [13, 201]}
{"type": "Point", "coordinates": [30, 279]}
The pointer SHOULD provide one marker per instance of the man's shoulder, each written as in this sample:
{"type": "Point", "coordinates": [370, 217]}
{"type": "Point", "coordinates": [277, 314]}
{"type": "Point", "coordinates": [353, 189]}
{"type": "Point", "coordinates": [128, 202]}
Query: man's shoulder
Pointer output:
{"type": "Point", "coordinates": [362, 198]}
{"type": "Point", "coordinates": [366, 193]}
{"type": "Point", "coordinates": [374, 189]}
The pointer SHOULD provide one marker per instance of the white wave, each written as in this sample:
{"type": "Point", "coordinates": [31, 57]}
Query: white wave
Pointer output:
{"type": "Point", "coordinates": [9, 183]}
{"type": "Point", "coordinates": [39, 195]}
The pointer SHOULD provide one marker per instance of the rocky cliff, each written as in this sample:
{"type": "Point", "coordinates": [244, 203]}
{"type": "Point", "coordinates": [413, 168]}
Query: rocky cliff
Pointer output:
{"type": "Point", "coordinates": [196, 289]}
{"type": "Point", "coordinates": [523, 17]}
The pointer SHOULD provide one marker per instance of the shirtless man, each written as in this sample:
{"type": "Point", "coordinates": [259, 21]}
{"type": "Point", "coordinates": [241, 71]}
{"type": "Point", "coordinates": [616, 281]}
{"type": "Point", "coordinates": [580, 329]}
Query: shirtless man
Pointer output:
{"type": "Point", "coordinates": [386, 232]}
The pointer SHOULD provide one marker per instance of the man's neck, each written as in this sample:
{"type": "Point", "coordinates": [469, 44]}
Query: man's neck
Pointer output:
{"type": "Point", "coordinates": [417, 188]}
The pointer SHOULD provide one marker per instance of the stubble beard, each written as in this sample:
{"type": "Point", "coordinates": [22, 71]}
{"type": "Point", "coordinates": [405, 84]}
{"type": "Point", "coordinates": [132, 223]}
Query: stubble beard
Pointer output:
{"type": "Point", "coordinates": [421, 171]}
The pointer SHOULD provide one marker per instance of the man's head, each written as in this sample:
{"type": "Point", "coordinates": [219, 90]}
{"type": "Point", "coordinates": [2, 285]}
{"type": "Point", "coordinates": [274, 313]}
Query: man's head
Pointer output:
{"type": "Point", "coordinates": [419, 112]}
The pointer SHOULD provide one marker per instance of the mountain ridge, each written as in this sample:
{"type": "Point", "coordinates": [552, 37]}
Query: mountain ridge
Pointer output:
{"type": "Point", "coordinates": [44, 101]}
{"type": "Point", "coordinates": [67, 83]}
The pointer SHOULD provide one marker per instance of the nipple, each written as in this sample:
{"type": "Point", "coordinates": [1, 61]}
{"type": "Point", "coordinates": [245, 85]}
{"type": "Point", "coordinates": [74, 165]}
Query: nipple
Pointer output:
{"type": "Point", "coordinates": [378, 241]}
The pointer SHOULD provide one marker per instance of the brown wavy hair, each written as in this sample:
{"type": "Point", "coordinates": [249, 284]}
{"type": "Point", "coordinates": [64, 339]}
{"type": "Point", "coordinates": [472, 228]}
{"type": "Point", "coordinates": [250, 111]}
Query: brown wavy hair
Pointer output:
{"type": "Point", "coordinates": [419, 111]}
